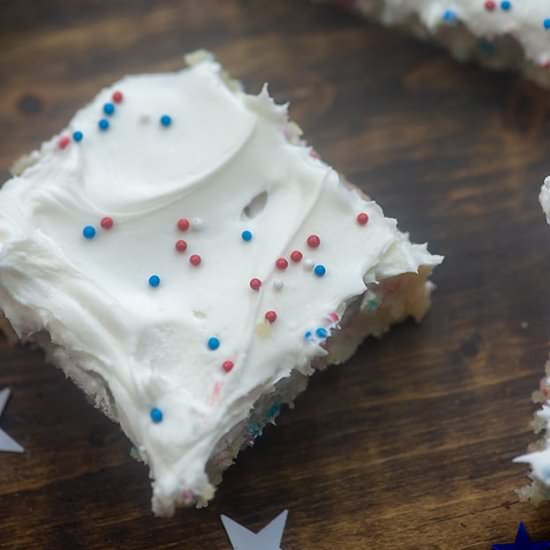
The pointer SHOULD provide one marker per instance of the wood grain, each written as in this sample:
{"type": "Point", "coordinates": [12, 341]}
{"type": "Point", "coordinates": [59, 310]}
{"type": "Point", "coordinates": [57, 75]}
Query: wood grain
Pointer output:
{"type": "Point", "coordinates": [409, 445]}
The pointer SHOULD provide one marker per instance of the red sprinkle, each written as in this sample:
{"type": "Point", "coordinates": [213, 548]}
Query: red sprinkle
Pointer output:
{"type": "Point", "coordinates": [181, 246]}
{"type": "Point", "coordinates": [490, 5]}
{"type": "Point", "coordinates": [270, 316]}
{"type": "Point", "coordinates": [281, 263]}
{"type": "Point", "coordinates": [227, 366]}
{"type": "Point", "coordinates": [296, 256]}
{"type": "Point", "coordinates": [63, 142]}
{"type": "Point", "coordinates": [106, 222]}
{"type": "Point", "coordinates": [117, 97]}
{"type": "Point", "coordinates": [362, 218]}
{"type": "Point", "coordinates": [313, 241]}
{"type": "Point", "coordinates": [195, 259]}
{"type": "Point", "coordinates": [183, 224]}
{"type": "Point", "coordinates": [255, 284]}
{"type": "Point", "coordinates": [187, 496]}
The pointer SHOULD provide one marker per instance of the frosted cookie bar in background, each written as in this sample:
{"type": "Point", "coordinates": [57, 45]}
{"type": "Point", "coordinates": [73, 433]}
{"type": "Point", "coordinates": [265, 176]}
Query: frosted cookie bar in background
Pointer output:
{"type": "Point", "coordinates": [498, 33]}
{"type": "Point", "coordinates": [188, 261]}
{"type": "Point", "coordinates": [539, 456]}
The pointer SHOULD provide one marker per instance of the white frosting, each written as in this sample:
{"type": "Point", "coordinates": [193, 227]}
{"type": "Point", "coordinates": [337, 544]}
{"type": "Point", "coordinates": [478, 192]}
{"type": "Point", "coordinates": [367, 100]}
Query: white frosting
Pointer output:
{"type": "Point", "coordinates": [135, 347]}
{"type": "Point", "coordinates": [540, 460]}
{"type": "Point", "coordinates": [524, 20]}
{"type": "Point", "coordinates": [544, 198]}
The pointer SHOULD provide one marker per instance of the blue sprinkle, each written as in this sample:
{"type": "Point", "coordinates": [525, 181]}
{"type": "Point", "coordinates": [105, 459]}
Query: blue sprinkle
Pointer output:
{"type": "Point", "coordinates": [156, 415]}
{"type": "Point", "coordinates": [547, 23]}
{"type": "Point", "coordinates": [308, 335]}
{"type": "Point", "coordinates": [274, 410]}
{"type": "Point", "coordinates": [213, 343]}
{"type": "Point", "coordinates": [506, 5]}
{"type": "Point", "coordinates": [103, 124]}
{"type": "Point", "coordinates": [154, 281]}
{"type": "Point", "coordinates": [449, 16]}
{"type": "Point", "coordinates": [109, 109]}
{"type": "Point", "coordinates": [166, 120]}
{"type": "Point", "coordinates": [321, 333]}
{"type": "Point", "coordinates": [88, 232]}
{"type": "Point", "coordinates": [246, 235]}
{"type": "Point", "coordinates": [254, 430]}
{"type": "Point", "coordinates": [77, 136]}
{"type": "Point", "coordinates": [372, 305]}
{"type": "Point", "coordinates": [320, 270]}
{"type": "Point", "coordinates": [487, 47]}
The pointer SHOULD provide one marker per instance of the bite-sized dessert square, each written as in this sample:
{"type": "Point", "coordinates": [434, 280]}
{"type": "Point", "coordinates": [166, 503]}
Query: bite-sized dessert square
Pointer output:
{"type": "Point", "coordinates": [189, 262]}
{"type": "Point", "coordinates": [538, 456]}
{"type": "Point", "coordinates": [502, 34]}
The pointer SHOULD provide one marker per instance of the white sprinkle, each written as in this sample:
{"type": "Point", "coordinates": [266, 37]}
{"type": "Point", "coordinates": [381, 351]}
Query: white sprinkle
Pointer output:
{"type": "Point", "coordinates": [278, 284]}
{"type": "Point", "coordinates": [144, 119]}
{"type": "Point", "coordinates": [196, 224]}
{"type": "Point", "coordinates": [308, 264]}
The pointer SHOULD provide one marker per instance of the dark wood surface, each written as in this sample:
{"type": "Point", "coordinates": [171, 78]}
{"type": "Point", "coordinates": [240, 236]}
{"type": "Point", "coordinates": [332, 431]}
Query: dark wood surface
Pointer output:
{"type": "Point", "coordinates": [410, 444]}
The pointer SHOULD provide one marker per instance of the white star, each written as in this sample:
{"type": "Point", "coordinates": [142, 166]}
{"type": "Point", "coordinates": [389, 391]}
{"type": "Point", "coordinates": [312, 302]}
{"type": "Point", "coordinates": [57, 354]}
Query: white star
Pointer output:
{"type": "Point", "coordinates": [269, 538]}
{"type": "Point", "coordinates": [7, 444]}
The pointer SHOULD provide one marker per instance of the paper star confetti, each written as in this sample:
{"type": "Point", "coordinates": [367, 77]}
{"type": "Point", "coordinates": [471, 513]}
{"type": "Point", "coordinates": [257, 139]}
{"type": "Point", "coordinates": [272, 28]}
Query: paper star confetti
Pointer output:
{"type": "Point", "coordinates": [7, 444]}
{"type": "Point", "coordinates": [523, 542]}
{"type": "Point", "coordinates": [269, 538]}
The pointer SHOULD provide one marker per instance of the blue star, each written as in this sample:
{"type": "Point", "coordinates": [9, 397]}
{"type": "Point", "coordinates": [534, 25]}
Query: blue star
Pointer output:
{"type": "Point", "coordinates": [269, 538]}
{"type": "Point", "coordinates": [523, 542]}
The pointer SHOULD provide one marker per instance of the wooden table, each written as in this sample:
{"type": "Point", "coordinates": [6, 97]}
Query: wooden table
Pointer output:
{"type": "Point", "coordinates": [410, 444]}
